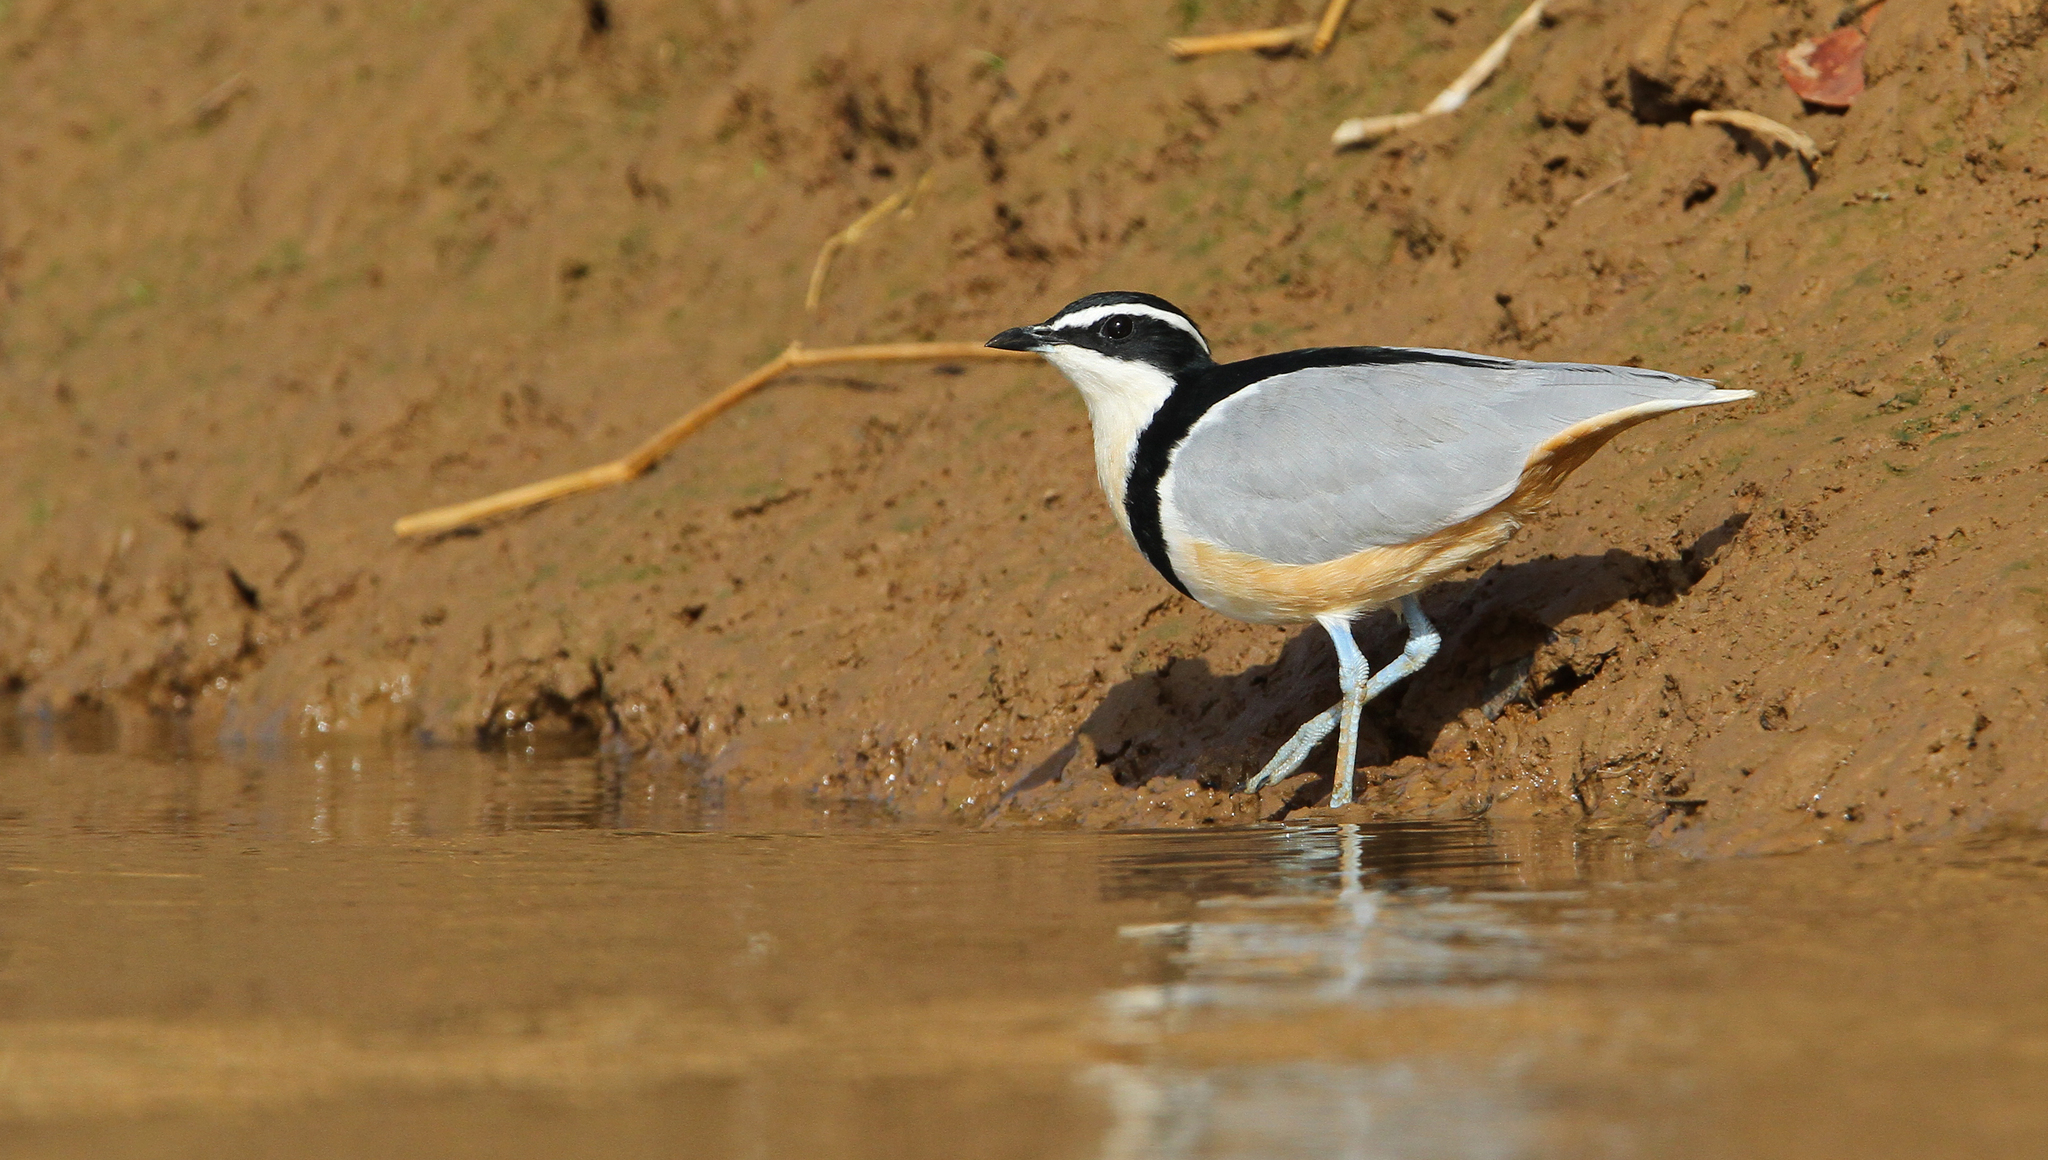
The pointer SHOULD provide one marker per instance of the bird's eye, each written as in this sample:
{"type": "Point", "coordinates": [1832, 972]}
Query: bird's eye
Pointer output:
{"type": "Point", "coordinates": [1116, 328]}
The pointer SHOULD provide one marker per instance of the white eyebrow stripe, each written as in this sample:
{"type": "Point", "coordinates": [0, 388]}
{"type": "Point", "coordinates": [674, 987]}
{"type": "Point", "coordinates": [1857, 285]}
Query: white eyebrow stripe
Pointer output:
{"type": "Point", "coordinates": [1096, 314]}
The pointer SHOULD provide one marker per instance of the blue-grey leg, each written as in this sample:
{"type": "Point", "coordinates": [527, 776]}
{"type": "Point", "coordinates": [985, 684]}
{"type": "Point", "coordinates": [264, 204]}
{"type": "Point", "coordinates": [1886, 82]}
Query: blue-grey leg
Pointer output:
{"type": "Point", "coordinates": [1351, 667]}
{"type": "Point", "coordinates": [1352, 671]}
{"type": "Point", "coordinates": [1422, 645]}
{"type": "Point", "coordinates": [1290, 756]}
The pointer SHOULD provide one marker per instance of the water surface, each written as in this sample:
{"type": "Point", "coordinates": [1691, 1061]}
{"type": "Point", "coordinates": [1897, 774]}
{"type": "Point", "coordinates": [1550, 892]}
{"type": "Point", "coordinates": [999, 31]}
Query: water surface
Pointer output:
{"type": "Point", "coordinates": [447, 953]}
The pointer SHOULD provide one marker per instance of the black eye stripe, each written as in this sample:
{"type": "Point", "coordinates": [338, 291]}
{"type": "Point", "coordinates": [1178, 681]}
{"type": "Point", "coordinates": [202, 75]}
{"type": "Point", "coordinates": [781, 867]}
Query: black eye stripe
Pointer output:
{"type": "Point", "coordinates": [1132, 337]}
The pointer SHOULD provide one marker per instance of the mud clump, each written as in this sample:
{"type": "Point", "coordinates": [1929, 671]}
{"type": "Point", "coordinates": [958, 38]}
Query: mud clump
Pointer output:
{"type": "Point", "coordinates": [512, 247]}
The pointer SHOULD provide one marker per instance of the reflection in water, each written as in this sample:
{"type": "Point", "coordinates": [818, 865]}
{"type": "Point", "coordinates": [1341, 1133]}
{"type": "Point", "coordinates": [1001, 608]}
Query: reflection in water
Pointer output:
{"type": "Point", "coordinates": [1314, 1111]}
{"type": "Point", "coordinates": [1359, 943]}
{"type": "Point", "coordinates": [1304, 860]}
{"type": "Point", "coordinates": [1335, 916]}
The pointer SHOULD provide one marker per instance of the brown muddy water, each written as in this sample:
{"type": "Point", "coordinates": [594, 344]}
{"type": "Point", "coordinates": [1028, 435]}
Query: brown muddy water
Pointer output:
{"type": "Point", "coordinates": [456, 954]}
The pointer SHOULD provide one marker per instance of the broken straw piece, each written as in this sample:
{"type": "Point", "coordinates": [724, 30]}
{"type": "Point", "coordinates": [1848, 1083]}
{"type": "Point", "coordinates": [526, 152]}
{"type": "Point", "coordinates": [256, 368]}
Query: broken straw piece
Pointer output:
{"type": "Point", "coordinates": [1359, 130]}
{"type": "Point", "coordinates": [815, 292]}
{"type": "Point", "coordinates": [1362, 129]}
{"type": "Point", "coordinates": [1317, 35]}
{"type": "Point", "coordinates": [1468, 82]}
{"type": "Point", "coordinates": [1326, 31]}
{"type": "Point", "coordinates": [1599, 189]}
{"type": "Point", "coordinates": [1257, 40]}
{"type": "Point", "coordinates": [1761, 126]}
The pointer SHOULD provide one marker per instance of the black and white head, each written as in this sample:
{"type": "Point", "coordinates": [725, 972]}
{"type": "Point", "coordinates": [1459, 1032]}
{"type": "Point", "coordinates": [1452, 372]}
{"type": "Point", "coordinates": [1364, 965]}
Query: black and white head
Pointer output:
{"type": "Point", "coordinates": [1117, 346]}
{"type": "Point", "coordinates": [1126, 352]}
{"type": "Point", "coordinates": [1117, 324]}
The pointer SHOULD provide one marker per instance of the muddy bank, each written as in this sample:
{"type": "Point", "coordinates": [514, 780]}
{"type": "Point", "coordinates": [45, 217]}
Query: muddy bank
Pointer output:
{"type": "Point", "coordinates": [304, 272]}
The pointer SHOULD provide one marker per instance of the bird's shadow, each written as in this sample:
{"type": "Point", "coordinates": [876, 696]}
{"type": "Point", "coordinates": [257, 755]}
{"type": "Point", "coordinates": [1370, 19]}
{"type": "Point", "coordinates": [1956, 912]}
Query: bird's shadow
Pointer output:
{"type": "Point", "coordinates": [1185, 721]}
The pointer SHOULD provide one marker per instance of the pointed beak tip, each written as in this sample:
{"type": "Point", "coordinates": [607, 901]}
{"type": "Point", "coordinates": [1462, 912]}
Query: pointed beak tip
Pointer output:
{"type": "Point", "coordinates": [1018, 338]}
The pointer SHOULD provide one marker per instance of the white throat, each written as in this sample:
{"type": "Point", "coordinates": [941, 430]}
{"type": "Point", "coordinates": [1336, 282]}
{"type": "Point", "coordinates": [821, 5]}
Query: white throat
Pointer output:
{"type": "Point", "coordinates": [1122, 398]}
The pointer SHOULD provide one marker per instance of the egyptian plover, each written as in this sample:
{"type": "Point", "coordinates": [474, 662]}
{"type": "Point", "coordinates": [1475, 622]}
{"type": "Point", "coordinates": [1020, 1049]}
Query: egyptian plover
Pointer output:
{"type": "Point", "coordinates": [1321, 484]}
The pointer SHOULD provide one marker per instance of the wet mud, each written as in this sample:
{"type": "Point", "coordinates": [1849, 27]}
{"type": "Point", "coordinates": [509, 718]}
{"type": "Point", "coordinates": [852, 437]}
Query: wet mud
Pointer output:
{"type": "Point", "coordinates": [305, 270]}
{"type": "Point", "coordinates": [451, 953]}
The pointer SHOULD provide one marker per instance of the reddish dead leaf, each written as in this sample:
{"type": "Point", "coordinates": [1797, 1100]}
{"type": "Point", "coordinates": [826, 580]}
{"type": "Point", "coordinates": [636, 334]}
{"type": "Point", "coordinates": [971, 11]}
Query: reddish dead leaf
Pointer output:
{"type": "Point", "coordinates": [1828, 71]}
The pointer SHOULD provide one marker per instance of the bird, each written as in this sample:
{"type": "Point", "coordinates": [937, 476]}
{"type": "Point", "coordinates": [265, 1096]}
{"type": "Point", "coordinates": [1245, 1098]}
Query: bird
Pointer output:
{"type": "Point", "coordinates": [1322, 484]}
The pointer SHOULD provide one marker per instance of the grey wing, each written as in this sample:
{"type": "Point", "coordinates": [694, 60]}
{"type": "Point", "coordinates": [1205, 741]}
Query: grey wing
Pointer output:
{"type": "Point", "coordinates": [1320, 463]}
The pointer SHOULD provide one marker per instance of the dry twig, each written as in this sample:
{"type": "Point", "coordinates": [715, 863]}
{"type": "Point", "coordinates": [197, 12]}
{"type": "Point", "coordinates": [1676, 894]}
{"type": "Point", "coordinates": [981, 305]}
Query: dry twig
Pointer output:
{"type": "Point", "coordinates": [901, 199]}
{"type": "Point", "coordinates": [1257, 40]}
{"type": "Point", "coordinates": [645, 456]}
{"type": "Point", "coordinates": [1599, 189]}
{"type": "Point", "coordinates": [214, 105]}
{"type": "Point", "coordinates": [1326, 31]}
{"type": "Point", "coordinates": [1760, 126]}
{"type": "Point", "coordinates": [1317, 35]}
{"type": "Point", "coordinates": [1360, 130]}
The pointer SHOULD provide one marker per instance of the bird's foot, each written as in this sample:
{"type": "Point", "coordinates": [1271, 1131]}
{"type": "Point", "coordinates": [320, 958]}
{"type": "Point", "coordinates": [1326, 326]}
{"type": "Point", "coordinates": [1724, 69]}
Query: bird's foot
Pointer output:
{"type": "Point", "coordinates": [1296, 751]}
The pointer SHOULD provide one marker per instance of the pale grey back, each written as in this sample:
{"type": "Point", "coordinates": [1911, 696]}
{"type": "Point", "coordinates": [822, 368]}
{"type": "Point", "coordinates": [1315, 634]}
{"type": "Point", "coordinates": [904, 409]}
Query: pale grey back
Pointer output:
{"type": "Point", "coordinates": [1320, 463]}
